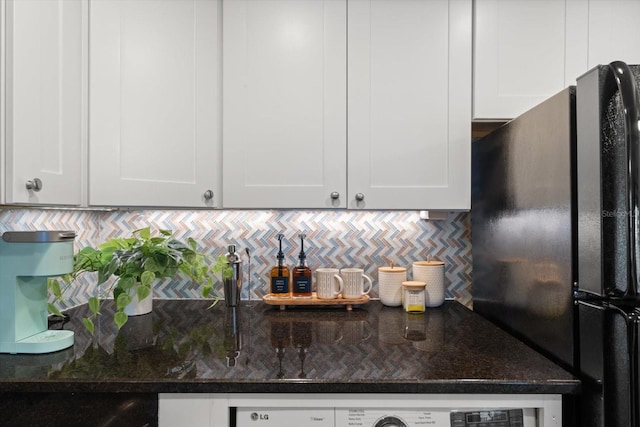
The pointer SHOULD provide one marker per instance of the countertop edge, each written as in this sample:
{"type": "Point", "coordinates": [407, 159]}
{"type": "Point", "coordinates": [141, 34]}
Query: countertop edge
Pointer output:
{"type": "Point", "coordinates": [173, 386]}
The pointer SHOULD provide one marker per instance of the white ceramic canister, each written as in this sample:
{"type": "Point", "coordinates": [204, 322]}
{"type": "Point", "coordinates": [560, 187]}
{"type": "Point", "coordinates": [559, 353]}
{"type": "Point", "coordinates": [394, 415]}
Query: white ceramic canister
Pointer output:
{"type": "Point", "coordinates": [390, 285]}
{"type": "Point", "coordinates": [431, 273]}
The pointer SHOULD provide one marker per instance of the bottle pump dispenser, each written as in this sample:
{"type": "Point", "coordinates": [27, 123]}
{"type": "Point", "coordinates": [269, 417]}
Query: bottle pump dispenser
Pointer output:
{"type": "Point", "coordinates": [301, 274]}
{"type": "Point", "coordinates": [280, 275]}
{"type": "Point", "coordinates": [27, 259]}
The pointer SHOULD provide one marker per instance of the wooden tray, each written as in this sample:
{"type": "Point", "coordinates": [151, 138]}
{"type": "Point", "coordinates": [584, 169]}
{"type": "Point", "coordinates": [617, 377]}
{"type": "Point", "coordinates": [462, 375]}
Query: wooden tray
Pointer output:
{"type": "Point", "coordinates": [315, 301]}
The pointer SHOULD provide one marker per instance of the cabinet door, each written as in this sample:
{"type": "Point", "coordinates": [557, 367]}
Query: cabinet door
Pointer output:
{"type": "Point", "coordinates": [614, 33]}
{"type": "Point", "coordinates": [45, 96]}
{"type": "Point", "coordinates": [284, 104]}
{"type": "Point", "coordinates": [524, 52]}
{"type": "Point", "coordinates": [154, 105]}
{"type": "Point", "coordinates": [409, 104]}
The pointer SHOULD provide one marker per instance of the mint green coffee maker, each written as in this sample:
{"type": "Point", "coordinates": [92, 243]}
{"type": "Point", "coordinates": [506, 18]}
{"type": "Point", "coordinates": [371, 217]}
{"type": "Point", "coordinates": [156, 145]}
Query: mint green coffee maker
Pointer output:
{"type": "Point", "coordinates": [27, 259]}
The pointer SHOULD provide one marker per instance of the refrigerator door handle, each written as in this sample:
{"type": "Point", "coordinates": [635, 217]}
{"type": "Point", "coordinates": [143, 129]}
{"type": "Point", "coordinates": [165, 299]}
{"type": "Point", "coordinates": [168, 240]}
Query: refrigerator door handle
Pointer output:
{"type": "Point", "coordinates": [628, 92]}
{"type": "Point", "coordinates": [632, 337]}
{"type": "Point", "coordinates": [613, 377]}
{"type": "Point", "coordinates": [632, 321]}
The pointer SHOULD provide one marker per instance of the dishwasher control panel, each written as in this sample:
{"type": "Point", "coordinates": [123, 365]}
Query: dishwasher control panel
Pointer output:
{"type": "Point", "coordinates": [380, 417]}
{"type": "Point", "coordinates": [504, 418]}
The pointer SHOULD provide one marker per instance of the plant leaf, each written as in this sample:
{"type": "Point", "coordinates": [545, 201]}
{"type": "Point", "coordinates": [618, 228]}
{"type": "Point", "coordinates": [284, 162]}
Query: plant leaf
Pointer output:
{"type": "Point", "coordinates": [88, 323]}
{"type": "Point", "coordinates": [147, 278]}
{"type": "Point", "coordinates": [54, 287]}
{"type": "Point", "coordinates": [143, 292]}
{"type": "Point", "coordinates": [111, 245]}
{"type": "Point", "coordinates": [207, 290]}
{"type": "Point", "coordinates": [145, 233]}
{"type": "Point", "coordinates": [126, 283]}
{"type": "Point", "coordinates": [94, 305]}
{"type": "Point", "coordinates": [54, 310]}
{"type": "Point", "coordinates": [117, 292]}
{"type": "Point", "coordinates": [110, 264]}
{"type": "Point", "coordinates": [192, 244]}
{"type": "Point", "coordinates": [123, 300]}
{"type": "Point", "coordinates": [152, 265]}
{"type": "Point", "coordinates": [120, 318]}
{"type": "Point", "coordinates": [87, 250]}
{"type": "Point", "coordinates": [127, 243]}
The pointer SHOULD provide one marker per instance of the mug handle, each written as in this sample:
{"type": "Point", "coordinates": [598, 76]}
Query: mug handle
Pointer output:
{"type": "Point", "coordinates": [367, 279]}
{"type": "Point", "coordinates": [341, 285]}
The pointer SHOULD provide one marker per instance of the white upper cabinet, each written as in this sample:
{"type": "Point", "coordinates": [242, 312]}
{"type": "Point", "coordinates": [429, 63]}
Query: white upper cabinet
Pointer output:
{"type": "Point", "coordinates": [525, 51]}
{"type": "Point", "coordinates": [289, 141]}
{"type": "Point", "coordinates": [614, 32]}
{"type": "Point", "coordinates": [154, 103]}
{"type": "Point", "coordinates": [528, 50]}
{"type": "Point", "coordinates": [284, 121]}
{"type": "Point", "coordinates": [45, 81]}
{"type": "Point", "coordinates": [409, 104]}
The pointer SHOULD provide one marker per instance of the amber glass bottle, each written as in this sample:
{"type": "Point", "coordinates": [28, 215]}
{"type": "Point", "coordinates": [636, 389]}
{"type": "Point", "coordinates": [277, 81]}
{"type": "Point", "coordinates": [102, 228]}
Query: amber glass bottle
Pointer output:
{"type": "Point", "coordinates": [301, 275]}
{"type": "Point", "coordinates": [280, 275]}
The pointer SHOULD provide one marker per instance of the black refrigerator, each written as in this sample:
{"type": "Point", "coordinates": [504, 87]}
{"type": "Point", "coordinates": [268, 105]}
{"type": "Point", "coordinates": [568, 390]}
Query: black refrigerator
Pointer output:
{"type": "Point", "coordinates": [555, 237]}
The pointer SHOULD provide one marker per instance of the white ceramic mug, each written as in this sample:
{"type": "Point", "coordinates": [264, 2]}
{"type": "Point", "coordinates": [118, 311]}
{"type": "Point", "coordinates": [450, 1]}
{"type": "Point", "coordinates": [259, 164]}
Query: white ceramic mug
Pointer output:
{"type": "Point", "coordinates": [329, 284]}
{"type": "Point", "coordinates": [354, 279]}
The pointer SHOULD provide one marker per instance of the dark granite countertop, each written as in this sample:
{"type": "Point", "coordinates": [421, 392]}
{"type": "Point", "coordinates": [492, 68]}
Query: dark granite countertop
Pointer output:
{"type": "Point", "coordinates": [185, 347]}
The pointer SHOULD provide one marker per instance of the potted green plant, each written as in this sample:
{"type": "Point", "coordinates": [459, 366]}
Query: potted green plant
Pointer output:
{"type": "Point", "coordinates": [135, 263]}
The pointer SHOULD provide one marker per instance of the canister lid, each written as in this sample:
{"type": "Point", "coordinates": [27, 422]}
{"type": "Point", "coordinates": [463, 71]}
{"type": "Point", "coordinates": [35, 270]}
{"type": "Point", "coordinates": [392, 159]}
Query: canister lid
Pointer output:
{"type": "Point", "coordinates": [414, 284]}
{"type": "Point", "coordinates": [428, 263]}
{"type": "Point", "coordinates": [393, 269]}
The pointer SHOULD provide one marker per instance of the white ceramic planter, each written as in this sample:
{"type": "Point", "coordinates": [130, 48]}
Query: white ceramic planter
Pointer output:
{"type": "Point", "coordinates": [137, 307]}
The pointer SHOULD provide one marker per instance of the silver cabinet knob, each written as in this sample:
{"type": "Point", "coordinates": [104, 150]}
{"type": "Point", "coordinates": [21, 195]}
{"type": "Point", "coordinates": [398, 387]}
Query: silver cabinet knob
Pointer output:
{"type": "Point", "coordinates": [34, 184]}
{"type": "Point", "coordinates": [359, 197]}
{"type": "Point", "coordinates": [208, 195]}
{"type": "Point", "coordinates": [335, 195]}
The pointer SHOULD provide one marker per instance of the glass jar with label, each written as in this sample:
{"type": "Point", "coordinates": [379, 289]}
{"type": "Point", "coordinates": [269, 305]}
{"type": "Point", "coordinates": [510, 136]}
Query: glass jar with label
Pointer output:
{"type": "Point", "coordinates": [413, 296]}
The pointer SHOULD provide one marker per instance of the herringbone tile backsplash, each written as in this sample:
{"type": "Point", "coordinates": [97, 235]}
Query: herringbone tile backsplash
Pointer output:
{"type": "Point", "coordinates": [365, 239]}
